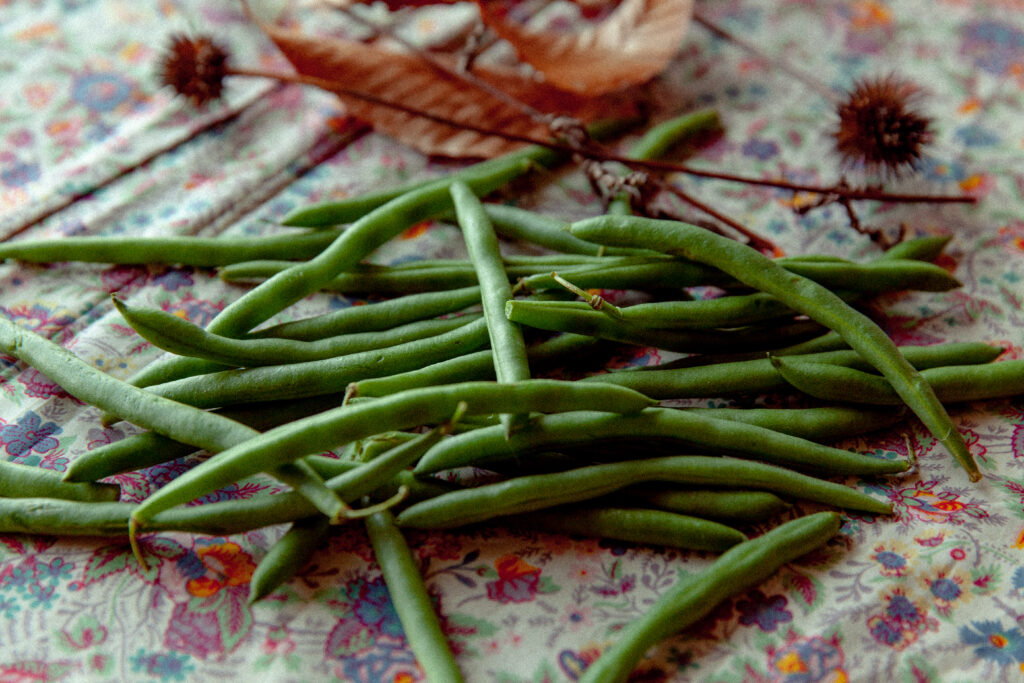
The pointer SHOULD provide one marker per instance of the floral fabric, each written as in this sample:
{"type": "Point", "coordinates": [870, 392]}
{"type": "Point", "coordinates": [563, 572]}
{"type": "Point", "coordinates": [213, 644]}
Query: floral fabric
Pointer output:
{"type": "Point", "coordinates": [90, 144]}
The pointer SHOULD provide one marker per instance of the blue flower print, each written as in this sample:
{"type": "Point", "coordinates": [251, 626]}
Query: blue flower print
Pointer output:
{"type": "Point", "coordinates": [1002, 645]}
{"type": "Point", "coordinates": [166, 667]}
{"type": "Point", "coordinates": [991, 45]}
{"type": "Point", "coordinates": [29, 434]}
{"type": "Point", "coordinates": [19, 174]}
{"type": "Point", "coordinates": [8, 607]}
{"type": "Point", "coordinates": [759, 148]}
{"type": "Point", "coordinates": [100, 92]}
{"type": "Point", "coordinates": [173, 280]}
{"type": "Point", "coordinates": [57, 569]}
{"type": "Point", "coordinates": [976, 136]}
{"type": "Point", "coordinates": [40, 595]}
{"type": "Point", "coordinates": [374, 608]}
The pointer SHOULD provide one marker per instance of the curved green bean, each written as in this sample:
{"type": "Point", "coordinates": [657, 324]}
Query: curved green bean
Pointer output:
{"type": "Point", "coordinates": [726, 311]}
{"type": "Point", "coordinates": [926, 248]}
{"type": "Point", "coordinates": [952, 383]}
{"type": "Point", "coordinates": [58, 517]}
{"type": "Point", "coordinates": [863, 278]}
{"type": "Point", "coordinates": [288, 555]}
{"type": "Point", "coordinates": [476, 366]}
{"type": "Point", "coordinates": [551, 233]}
{"type": "Point", "coordinates": [743, 506]}
{"type": "Point", "coordinates": [171, 333]}
{"type": "Point", "coordinates": [312, 378]}
{"type": "Point", "coordinates": [353, 208]}
{"type": "Point", "coordinates": [148, 448]}
{"type": "Point", "coordinates": [374, 317]}
{"type": "Point", "coordinates": [25, 481]}
{"type": "Point", "coordinates": [635, 525]}
{"type": "Point", "coordinates": [539, 491]}
{"type": "Point", "coordinates": [91, 385]}
{"type": "Point", "coordinates": [413, 277]}
{"type": "Point", "coordinates": [801, 294]}
{"type": "Point", "coordinates": [555, 317]}
{"type": "Point", "coordinates": [737, 570]}
{"type": "Point", "coordinates": [758, 376]}
{"type": "Point", "coordinates": [481, 447]}
{"type": "Point", "coordinates": [822, 423]}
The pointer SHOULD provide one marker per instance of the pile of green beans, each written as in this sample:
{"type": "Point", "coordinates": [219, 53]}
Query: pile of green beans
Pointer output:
{"type": "Point", "coordinates": [447, 375]}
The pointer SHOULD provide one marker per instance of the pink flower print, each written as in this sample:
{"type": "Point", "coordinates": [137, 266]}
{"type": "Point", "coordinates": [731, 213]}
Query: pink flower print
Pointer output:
{"type": "Point", "coordinates": [38, 385]}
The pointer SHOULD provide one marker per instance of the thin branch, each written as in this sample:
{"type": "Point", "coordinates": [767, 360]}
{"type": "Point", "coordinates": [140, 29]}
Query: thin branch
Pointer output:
{"type": "Point", "coordinates": [807, 79]}
{"type": "Point", "coordinates": [755, 240]}
{"type": "Point", "coordinates": [594, 152]}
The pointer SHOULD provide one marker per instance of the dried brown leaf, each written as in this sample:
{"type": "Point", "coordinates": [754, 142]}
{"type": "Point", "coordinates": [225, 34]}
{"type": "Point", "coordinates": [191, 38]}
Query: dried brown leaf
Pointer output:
{"type": "Point", "coordinates": [631, 45]}
{"type": "Point", "coordinates": [409, 80]}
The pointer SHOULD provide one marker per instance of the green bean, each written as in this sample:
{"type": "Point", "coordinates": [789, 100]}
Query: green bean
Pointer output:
{"type": "Point", "coordinates": [726, 311]}
{"type": "Point", "coordinates": [481, 447]}
{"type": "Point", "coordinates": [312, 378]}
{"type": "Point", "coordinates": [367, 450]}
{"type": "Point", "coordinates": [399, 411]}
{"type": "Point", "coordinates": [91, 385]}
{"type": "Point", "coordinates": [171, 333]}
{"type": "Point", "coordinates": [288, 555]}
{"type": "Point", "coordinates": [874, 277]}
{"type": "Point", "coordinates": [25, 481]}
{"type": "Point", "coordinates": [742, 507]}
{"type": "Point", "coordinates": [305, 481]}
{"type": "Point", "coordinates": [202, 252]}
{"type": "Point", "coordinates": [737, 570]}
{"type": "Point", "coordinates": [508, 348]}
{"type": "Point", "coordinates": [55, 517]}
{"type": "Point", "coordinates": [354, 208]}
{"type": "Point", "coordinates": [759, 376]}
{"type": "Point", "coordinates": [822, 424]}
{"type": "Point", "coordinates": [374, 317]}
{"type": "Point", "coordinates": [412, 602]}
{"type": "Point", "coordinates": [658, 140]}
{"type": "Point", "coordinates": [551, 233]}
{"type": "Point", "coordinates": [635, 525]}
{"type": "Point", "coordinates": [352, 245]}
{"type": "Point", "coordinates": [476, 366]}
{"type": "Point", "coordinates": [364, 480]}
{"type": "Point", "coordinates": [653, 273]}
{"type": "Point", "coordinates": [58, 517]}
{"type": "Point", "coordinates": [802, 295]}
{"type": "Point", "coordinates": [414, 277]}
{"type": "Point", "coordinates": [952, 383]}
{"type": "Point", "coordinates": [536, 492]}
{"type": "Point", "coordinates": [148, 448]}
{"type": "Point", "coordinates": [558, 318]}
{"type": "Point", "coordinates": [926, 248]}
{"type": "Point", "coordinates": [882, 275]}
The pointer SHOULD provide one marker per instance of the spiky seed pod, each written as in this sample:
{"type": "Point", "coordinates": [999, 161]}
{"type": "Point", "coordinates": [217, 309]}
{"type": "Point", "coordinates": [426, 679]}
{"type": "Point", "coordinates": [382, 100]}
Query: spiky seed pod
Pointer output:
{"type": "Point", "coordinates": [195, 67]}
{"type": "Point", "coordinates": [879, 128]}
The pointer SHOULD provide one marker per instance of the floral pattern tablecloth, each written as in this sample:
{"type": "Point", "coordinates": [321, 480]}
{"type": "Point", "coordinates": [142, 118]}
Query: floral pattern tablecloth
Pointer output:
{"type": "Point", "coordinates": [91, 144]}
